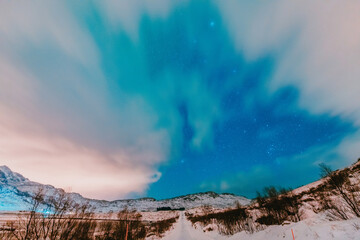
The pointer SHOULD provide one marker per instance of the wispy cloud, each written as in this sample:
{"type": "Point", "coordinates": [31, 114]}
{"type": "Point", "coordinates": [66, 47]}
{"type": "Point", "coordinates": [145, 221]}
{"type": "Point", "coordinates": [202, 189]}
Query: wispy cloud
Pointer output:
{"type": "Point", "coordinates": [57, 125]}
{"type": "Point", "coordinates": [126, 16]}
{"type": "Point", "coordinates": [100, 86]}
{"type": "Point", "coordinates": [73, 115]}
{"type": "Point", "coordinates": [316, 47]}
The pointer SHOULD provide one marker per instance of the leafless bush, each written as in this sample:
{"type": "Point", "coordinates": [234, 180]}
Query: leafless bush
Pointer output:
{"type": "Point", "coordinates": [339, 182]}
{"type": "Point", "coordinates": [228, 222]}
{"type": "Point", "coordinates": [60, 218]}
{"type": "Point", "coordinates": [278, 206]}
{"type": "Point", "coordinates": [160, 227]}
{"type": "Point", "coordinates": [53, 218]}
{"type": "Point", "coordinates": [356, 226]}
{"type": "Point", "coordinates": [6, 230]}
{"type": "Point", "coordinates": [128, 224]}
{"type": "Point", "coordinates": [334, 211]}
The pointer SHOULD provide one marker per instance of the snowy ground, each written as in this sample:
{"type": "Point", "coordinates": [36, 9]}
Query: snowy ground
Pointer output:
{"type": "Point", "coordinates": [8, 216]}
{"type": "Point", "coordinates": [184, 231]}
{"type": "Point", "coordinates": [158, 216]}
{"type": "Point", "coordinates": [313, 228]}
{"type": "Point", "coordinates": [145, 216]}
{"type": "Point", "coordinates": [308, 229]}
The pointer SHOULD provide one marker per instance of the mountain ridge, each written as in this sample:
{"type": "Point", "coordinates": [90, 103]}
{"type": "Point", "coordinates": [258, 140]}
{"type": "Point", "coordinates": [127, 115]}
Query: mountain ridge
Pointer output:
{"type": "Point", "coordinates": [16, 192]}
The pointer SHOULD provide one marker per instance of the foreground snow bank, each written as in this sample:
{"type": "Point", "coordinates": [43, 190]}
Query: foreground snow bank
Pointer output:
{"type": "Point", "coordinates": [314, 229]}
{"type": "Point", "coordinates": [308, 229]}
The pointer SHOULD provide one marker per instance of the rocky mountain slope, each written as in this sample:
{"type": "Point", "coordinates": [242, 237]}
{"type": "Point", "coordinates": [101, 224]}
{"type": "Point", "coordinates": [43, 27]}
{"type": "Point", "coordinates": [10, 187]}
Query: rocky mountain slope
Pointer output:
{"type": "Point", "coordinates": [16, 192]}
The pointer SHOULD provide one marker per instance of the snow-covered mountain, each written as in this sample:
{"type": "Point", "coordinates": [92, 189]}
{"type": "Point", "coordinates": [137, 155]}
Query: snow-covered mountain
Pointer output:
{"type": "Point", "coordinates": [188, 201]}
{"type": "Point", "coordinates": [16, 192]}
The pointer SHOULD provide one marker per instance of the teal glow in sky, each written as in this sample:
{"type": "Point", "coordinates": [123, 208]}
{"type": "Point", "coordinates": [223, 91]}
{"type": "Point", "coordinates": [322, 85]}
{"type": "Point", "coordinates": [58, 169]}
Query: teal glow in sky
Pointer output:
{"type": "Point", "coordinates": [161, 98]}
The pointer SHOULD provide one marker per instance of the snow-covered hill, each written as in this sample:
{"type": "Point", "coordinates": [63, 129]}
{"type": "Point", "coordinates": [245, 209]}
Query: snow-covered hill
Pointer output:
{"type": "Point", "coordinates": [189, 201]}
{"type": "Point", "coordinates": [16, 192]}
{"type": "Point", "coordinates": [324, 209]}
{"type": "Point", "coordinates": [314, 228]}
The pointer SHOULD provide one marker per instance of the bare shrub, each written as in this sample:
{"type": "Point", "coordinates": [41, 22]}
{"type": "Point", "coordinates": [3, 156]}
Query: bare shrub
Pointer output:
{"type": "Point", "coordinates": [54, 218]}
{"type": "Point", "coordinates": [334, 211]}
{"type": "Point", "coordinates": [339, 182]}
{"type": "Point", "coordinates": [229, 221]}
{"type": "Point", "coordinates": [60, 218]}
{"type": "Point", "coordinates": [127, 223]}
{"type": "Point", "coordinates": [6, 230]}
{"type": "Point", "coordinates": [278, 206]}
{"type": "Point", "coordinates": [160, 227]}
{"type": "Point", "coordinates": [356, 226]}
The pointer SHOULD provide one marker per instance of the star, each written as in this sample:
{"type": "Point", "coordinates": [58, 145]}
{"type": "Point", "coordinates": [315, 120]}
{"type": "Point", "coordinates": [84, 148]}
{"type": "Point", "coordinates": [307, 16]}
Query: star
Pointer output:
{"type": "Point", "coordinates": [271, 149]}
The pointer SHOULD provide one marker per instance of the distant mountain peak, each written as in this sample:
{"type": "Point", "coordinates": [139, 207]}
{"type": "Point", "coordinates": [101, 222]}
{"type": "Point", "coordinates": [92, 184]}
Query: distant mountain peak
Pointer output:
{"type": "Point", "coordinates": [7, 175]}
{"type": "Point", "coordinates": [5, 168]}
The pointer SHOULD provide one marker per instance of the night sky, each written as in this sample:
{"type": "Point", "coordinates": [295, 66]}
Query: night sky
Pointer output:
{"type": "Point", "coordinates": [131, 99]}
